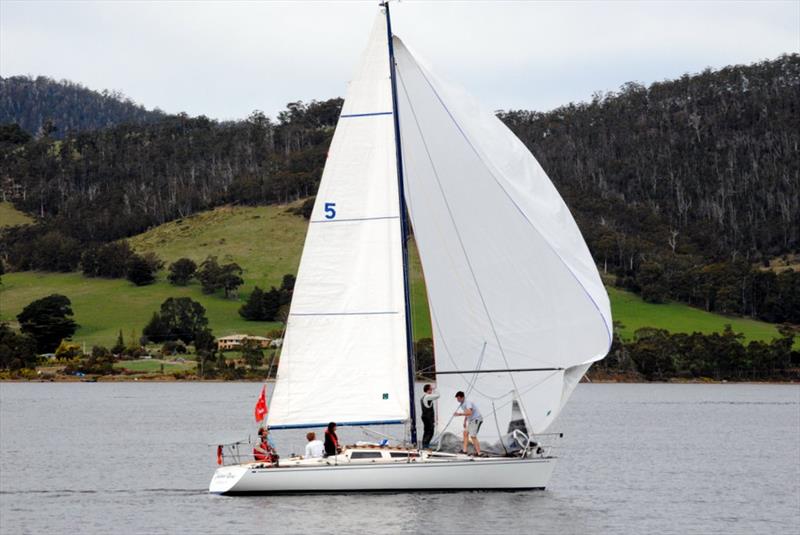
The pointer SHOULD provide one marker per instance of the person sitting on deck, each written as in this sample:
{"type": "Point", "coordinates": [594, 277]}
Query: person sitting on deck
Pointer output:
{"type": "Point", "coordinates": [331, 440]}
{"type": "Point", "coordinates": [264, 451]}
{"type": "Point", "coordinates": [314, 448]}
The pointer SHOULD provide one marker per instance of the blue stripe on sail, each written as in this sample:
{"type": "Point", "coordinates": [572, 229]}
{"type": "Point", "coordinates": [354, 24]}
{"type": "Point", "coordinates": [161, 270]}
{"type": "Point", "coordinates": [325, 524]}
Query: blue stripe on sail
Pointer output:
{"type": "Point", "coordinates": [343, 313]}
{"type": "Point", "coordinates": [349, 115]}
{"type": "Point", "coordinates": [355, 219]}
{"type": "Point", "coordinates": [338, 424]}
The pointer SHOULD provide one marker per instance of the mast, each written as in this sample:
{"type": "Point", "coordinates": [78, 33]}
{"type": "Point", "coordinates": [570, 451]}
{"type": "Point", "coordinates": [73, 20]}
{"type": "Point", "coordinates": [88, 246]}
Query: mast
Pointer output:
{"type": "Point", "coordinates": [404, 231]}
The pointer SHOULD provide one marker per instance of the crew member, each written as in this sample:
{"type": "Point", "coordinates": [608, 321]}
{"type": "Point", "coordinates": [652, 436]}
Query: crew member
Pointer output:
{"type": "Point", "coordinates": [428, 414]}
{"type": "Point", "coordinates": [264, 450]}
{"type": "Point", "coordinates": [314, 448]}
{"type": "Point", "coordinates": [472, 422]}
{"type": "Point", "coordinates": [331, 440]}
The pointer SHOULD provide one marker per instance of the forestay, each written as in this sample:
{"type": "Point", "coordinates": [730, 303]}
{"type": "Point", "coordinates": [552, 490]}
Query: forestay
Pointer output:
{"type": "Point", "coordinates": [511, 283]}
{"type": "Point", "coordinates": [344, 354]}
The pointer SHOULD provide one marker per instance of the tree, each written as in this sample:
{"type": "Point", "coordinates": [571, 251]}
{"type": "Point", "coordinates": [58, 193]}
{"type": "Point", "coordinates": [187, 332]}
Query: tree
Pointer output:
{"type": "Point", "coordinates": [157, 330]}
{"type": "Point", "coordinates": [17, 351]}
{"type": "Point", "coordinates": [48, 321]}
{"type": "Point", "coordinates": [287, 284]}
{"type": "Point", "coordinates": [423, 356]}
{"type": "Point", "coordinates": [141, 272]}
{"type": "Point", "coordinates": [252, 354]}
{"type": "Point", "coordinates": [252, 310]}
{"type": "Point", "coordinates": [230, 278]}
{"type": "Point", "coordinates": [271, 303]}
{"type": "Point", "coordinates": [181, 271]}
{"type": "Point", "coordinates": [67, 350]}
{"type": "Point", "coordinates": [111, 260]}
{"type": "Point", "coordinates": [209, 275]}
{"type": "Point", "coordinates": [261, 305]}
{"type": "Point", "coordinates": [204, 341]}
{"type": "Point", "coordinates": [180, 318]}
{"type": "Point", "coordinates": [119, 346]}
{"type": "Point", "coordinates": [214, 276]}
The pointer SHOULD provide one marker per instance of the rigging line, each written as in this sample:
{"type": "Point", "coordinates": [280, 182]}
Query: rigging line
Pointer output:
{"type": "Point", "coordinates": [452, 219]}
{"type": "Point", "coordinates": [511, 199]}
{"type": "Point", "coordinates": [497, 425]}
{"type": "Point", "coordinates": [470, 384]}
{"type": "Point", "coordinates": [519, 398]}
{"type": "Point", "coordinates": [372, 114]}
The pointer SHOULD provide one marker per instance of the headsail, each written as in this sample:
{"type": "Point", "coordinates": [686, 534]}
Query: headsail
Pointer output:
{"type": "Point", "coordinates": [511, 284]}
{"type": "Point", "coordinates": [344, 355]}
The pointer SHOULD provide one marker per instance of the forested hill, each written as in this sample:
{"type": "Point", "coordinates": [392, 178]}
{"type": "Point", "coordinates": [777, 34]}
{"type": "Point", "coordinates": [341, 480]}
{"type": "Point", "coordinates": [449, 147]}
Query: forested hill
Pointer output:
{"type": "Point", "coordinates": [707, 163]}
{"type": "Point", "coordinates": [682, 189]}
{"type": "Point", "coordinates": [41, 103]}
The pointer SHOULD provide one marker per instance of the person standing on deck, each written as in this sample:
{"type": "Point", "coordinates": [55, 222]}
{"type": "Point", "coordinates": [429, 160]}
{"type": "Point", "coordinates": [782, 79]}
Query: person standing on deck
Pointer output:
{"type": "Point", "coordinates": [331, 440]}
{"type": "Point", "coordinates": [472, 422]}
{"type": "Point", "coordinates": [428, 414]}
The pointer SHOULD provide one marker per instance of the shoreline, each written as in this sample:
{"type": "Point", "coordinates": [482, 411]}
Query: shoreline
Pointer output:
{"type": "Point", "coordinates": [157, 378]}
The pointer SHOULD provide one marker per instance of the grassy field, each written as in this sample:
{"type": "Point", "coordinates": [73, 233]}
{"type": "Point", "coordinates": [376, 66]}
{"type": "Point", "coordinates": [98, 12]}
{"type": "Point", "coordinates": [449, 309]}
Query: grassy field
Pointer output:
{"type": "Point", "coordinates": [267, 243]}
{"type": "Point", "coordinates": [634, 313]}
{"type": "Point", "coordinates": [10, 216]}
{"type": "Point", "coordinates": [154, 366]}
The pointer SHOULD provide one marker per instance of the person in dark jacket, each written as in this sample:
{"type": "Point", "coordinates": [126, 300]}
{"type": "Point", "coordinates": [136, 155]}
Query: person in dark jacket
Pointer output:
{"type": "Point", "coordinates": [331, 440]}
{"type": "Point", "coordinates": [428, 414]}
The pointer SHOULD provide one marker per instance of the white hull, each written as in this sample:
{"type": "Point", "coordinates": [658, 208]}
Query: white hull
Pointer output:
{"type": "Point", "coordinates": [474, 474]}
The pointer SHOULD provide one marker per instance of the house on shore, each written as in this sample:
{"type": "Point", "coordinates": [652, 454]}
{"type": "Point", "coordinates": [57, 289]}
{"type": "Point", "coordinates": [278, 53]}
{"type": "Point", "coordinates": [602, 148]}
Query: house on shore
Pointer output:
{"type": "Point", "coordinates": [237, 341]}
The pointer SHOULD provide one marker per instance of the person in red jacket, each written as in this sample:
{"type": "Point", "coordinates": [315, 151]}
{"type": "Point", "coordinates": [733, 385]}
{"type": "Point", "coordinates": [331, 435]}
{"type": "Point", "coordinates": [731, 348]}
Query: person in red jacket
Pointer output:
{"type": "Point", "coordinates": [263, 450]}
{"type": "Point", "coordinates": [331, 440]}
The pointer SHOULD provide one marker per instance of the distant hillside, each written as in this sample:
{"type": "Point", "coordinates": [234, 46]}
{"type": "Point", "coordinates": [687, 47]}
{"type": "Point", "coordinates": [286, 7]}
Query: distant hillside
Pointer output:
{"type": "Point", "coordinates": [227, 232]}
{"type": "Point", "coordinates": [682, 189]}
{"type": "Point", "coordinates": [708, 164]}
{"type": "Point", "coordinates": [64, 107]}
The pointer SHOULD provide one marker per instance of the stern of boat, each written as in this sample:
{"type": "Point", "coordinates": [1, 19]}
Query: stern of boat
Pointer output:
{"type": "Point", "coordinates": [226, 478]}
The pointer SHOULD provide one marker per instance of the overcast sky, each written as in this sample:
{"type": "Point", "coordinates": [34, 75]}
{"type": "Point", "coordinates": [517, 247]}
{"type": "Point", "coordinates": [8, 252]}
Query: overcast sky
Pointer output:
{"type": "Point", "coordinates": [225, 59]}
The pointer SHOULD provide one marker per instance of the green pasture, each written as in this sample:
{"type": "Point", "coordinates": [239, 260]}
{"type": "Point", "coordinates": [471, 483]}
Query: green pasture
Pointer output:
{"type": "Point", "coordinates": [267, 242]}
{"type": "Point", "coordinates": [154, 366]}
{"type": "Point", "coordinates": [10, 216]}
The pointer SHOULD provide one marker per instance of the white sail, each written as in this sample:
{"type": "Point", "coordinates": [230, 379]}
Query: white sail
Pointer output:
{"type": "Point", "coordinates": [344, 353]}
{"type": "Point", "coordinates": [510, 281]}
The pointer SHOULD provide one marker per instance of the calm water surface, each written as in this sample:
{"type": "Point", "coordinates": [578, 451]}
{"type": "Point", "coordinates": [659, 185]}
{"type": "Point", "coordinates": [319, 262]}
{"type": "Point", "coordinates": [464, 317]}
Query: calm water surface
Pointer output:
{"type": "Point", "coordinates": [133, 458]}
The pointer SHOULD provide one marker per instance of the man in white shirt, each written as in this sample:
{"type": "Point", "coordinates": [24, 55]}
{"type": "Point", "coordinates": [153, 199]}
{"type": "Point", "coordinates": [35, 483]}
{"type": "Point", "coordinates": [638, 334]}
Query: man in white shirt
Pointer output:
{"type": "Point", "coordinates": [472, 422]}
{"type": "Point", "coordinates": [314, 448]}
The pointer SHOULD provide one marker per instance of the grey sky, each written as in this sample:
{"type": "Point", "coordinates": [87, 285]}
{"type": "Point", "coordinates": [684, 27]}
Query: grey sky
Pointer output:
{"type": "Point", "coordinates": [225, 59]}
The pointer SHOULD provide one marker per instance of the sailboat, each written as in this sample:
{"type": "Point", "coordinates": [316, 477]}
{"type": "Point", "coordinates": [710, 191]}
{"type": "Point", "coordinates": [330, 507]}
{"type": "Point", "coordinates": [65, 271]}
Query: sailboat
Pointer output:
{"type": "Point", "coordinates": [517, 307]}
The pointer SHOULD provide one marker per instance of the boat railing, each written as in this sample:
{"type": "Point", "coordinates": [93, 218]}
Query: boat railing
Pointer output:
{"type": "Point", "coordinates": [239, 452]}
{"type": "Point", "coordinates": [539, 445]}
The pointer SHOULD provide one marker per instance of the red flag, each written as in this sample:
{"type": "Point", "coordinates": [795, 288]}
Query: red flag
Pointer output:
{"type": "Point", "coordinates": [261, 405]}
{"type": "Point", "coordinates": [219, 454]}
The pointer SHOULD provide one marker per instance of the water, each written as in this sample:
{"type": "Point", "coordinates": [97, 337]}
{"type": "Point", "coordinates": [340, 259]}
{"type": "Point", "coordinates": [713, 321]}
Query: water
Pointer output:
{"type": "Point", "coordinates": [133, 458]}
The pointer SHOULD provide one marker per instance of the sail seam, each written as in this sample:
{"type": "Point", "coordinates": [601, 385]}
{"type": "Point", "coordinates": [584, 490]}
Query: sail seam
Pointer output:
{"type": "Point", "coordinates": [377, 313]}
{"type": "Point", "coordinates": [519, 209]}
{"type": "Point", "coordinates": [350, 220]}
{"type": "Point", "coordinates": [372, 114]}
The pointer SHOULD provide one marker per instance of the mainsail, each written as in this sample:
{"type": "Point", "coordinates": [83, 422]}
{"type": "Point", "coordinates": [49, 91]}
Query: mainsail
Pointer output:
{"type": "Point", "coordinates": [344, 356]}
{"type": "Point", "coordinates": [518, 308]}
